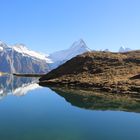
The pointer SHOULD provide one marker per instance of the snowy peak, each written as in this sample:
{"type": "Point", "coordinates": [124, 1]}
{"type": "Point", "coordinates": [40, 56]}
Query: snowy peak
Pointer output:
{"type": "Point", "coordinates": [60, 57]}
{"type": "Point", "coordinates": [21, 48]}
{"type": "Point", "coordinates": [80, 44]}
{"type": "Point", "coordinates": [123, 49]}
{"type": "Point", "coordinates": [78, 47]}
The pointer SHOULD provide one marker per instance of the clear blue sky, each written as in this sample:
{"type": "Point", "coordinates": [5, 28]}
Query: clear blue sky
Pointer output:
{"type": "Point", "coordinates": [51, 25]}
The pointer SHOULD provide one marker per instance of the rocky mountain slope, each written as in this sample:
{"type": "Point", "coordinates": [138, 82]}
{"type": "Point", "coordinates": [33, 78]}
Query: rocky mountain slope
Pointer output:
{"type": "Point", "coordinates": [106, 71]}
{"type": "Point", "coordinates": [19, 59]}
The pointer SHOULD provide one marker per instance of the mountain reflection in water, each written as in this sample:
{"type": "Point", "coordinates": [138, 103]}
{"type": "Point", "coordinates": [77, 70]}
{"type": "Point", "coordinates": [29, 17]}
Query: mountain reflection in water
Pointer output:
{"type": "Point", "coordinates": [99, 101]}
{"type": "Point", "coordinates": [16, 85]}
{"type": "Point", "coordinates": [82, 98]}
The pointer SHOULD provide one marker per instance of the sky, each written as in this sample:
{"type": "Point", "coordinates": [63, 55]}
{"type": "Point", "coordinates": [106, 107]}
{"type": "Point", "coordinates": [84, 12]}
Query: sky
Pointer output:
{"type": "Point", "coordinates": [51, 25]}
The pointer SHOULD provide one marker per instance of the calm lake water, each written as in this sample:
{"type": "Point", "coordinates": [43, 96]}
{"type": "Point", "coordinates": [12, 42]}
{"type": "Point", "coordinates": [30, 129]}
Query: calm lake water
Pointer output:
{"type": "Point", "coordinates": [31, 112]}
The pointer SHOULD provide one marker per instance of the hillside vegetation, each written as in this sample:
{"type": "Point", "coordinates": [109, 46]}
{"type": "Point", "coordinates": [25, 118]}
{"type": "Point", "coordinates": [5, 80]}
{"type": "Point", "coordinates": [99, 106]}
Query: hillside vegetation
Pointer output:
{"type": "Point", "coordinates": [106, 71]}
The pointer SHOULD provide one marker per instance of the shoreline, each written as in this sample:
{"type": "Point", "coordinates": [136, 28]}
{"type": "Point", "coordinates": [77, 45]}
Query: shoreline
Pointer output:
{"type": "Point", "coordinates": [131, 89]}
{"type": "Point", "coordinates": [27, 75]}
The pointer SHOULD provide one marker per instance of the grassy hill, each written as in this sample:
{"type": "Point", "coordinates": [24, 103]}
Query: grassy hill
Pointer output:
{"type": "Point", "coordinates": [105, 71]}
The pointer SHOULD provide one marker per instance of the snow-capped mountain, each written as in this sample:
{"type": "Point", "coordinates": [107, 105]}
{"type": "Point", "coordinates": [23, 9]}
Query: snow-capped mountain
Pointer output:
{"type": "Point", "coordinates": [123, 49]}
{"type": "Point", "coordinates": [19, 59]}
{"type": "Point", "coordinates": [21, 48]}
{"type": "Point", "coordinates": [62, 56]}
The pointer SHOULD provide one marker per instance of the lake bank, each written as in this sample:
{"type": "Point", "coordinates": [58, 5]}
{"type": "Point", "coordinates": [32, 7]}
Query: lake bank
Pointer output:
{"type": "Point", "coordinates": [27, 75]}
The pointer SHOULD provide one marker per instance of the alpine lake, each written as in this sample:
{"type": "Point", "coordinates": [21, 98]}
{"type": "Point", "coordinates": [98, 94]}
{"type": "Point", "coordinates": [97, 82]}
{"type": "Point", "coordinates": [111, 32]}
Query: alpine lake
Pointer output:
{"type": "Point", "coordinates": [31, 112]}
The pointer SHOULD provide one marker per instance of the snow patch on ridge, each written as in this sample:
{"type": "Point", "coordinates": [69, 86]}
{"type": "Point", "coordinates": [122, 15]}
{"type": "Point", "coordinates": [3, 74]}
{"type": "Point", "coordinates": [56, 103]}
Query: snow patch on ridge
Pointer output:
{"type": "Point", "coordinates": [1, 49]}
{"type": "Point", "coordinates": [25, 51]}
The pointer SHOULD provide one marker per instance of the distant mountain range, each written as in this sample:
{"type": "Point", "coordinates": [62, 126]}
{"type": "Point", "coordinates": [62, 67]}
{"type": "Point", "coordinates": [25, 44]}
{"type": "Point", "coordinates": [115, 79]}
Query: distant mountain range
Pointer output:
{"type": "Point", "coordinates": [19, 59]}
{"type": "Point", "coordinates": [123, 49]}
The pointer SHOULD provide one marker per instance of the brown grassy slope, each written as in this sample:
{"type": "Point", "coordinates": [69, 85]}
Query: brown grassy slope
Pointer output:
{"type": "Point", "coordinates": [112, 72]}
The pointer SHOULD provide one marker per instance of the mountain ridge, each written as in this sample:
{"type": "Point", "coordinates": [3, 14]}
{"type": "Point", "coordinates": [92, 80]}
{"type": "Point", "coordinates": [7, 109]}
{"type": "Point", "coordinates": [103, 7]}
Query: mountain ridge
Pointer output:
{"type": "Point", "coordinates": [51, 61]}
